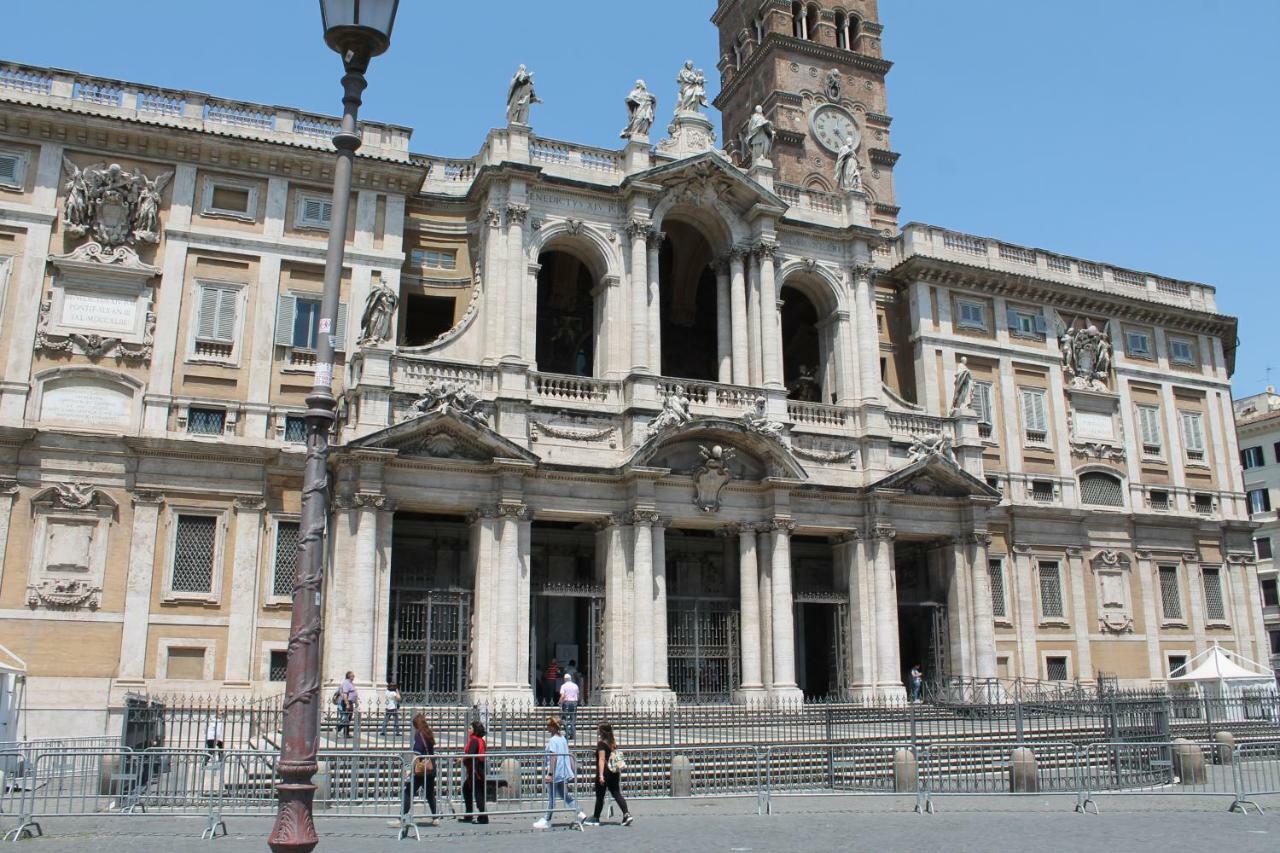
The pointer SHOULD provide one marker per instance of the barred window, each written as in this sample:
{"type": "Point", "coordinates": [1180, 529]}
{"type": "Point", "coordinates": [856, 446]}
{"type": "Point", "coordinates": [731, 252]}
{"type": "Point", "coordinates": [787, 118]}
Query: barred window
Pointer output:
{"type": "Point", "coordinates": [1158, 499]}
{"type": "Point", "coordinates": [1204, 504]}
{"type": "Point", "coordinates": [206, 421]}
{"type": "Point", "coordinates": [1263, 546]}
{"type": "Point", "coordinates": [286, 560]}
{"type": "Point", "coordinates": [277, 665]}
{"type": "Point", "coordinates": [1101, 489]}
{"type": "Point", "coordinates": [1055, 668]}
{"type": "Point", "coordinates": [295, 429]}
{"type": "Point", "coordinates": [1050, 590]}
{"type": "Point", "coordinates": [1214, 608]}
{"type": "Point", "coordinates": [995, 570]}
{"type": "Point", "coordinates": [1042, 491]}
{"type": "Point", "coordinates": [1177, 665]}
{"type": "Point", "coordinates": [193, 547]}
{"type": "Point", "coordinates": [1170, 595]}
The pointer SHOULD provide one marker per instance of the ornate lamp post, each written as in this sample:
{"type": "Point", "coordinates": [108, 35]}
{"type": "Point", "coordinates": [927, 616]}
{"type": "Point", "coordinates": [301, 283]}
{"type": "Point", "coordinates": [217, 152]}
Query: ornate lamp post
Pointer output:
{"type": "Point", "coordinates": [358, 30]}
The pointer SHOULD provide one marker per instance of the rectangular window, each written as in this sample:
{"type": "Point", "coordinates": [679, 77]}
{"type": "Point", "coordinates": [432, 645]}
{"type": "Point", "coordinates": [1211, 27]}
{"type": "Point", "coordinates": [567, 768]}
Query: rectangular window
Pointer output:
{"type": "Point", "coordinates": [1035, 419]}
{"type": "Point", "coordinates": [1275, 448]}
{"type": "Point", "coordinates": [973, 315]}
{"type": "Point", "coordinates": [277, 665]}
{"type": "Point", "coordinates": [1275, 642]}
{"type": "Point", "coordinates": [982, 405]}
{"type": "Point", "coordinates": [1181, 351]}
{"type": "Point", "coordinates": [1137, 344]}
{"type": "Point", "coordinates": [1055, 668]}
{"type": "Point", "coordinates": [1177, 665]}
{"type": "Point", "coordinates": [306, 322]}
{"type": "Point", "coordinates": [314, 211]}
{"type": "Point", "coordinates": [434, 259]}
{"type": "Point", "coordinates": [1193, 435]}
{"type": "Point", "coordinates": [1042, 491]}
{"type": "Point", "coordinates": [1204, 503]}
{"type": "Point", "coordinates": [995, 571]}
{"type": "Point", "coordinates": [206, 421]}
{"type": "Point", "coordinates": [13, 168]}
{"type": "Point", "coordinates": [1214, 607]}
{"type": "Point", "coordinates": [229, 200]}
{"type": "Point", "coordinates": [1149, 428]}
{"type": "Point", "coordinates": [1159, 500]}
{"type": "Point", "coordinates": [295, 429]}
{"type": "Point", "coordinates": [233, 199]}
{"type": "Point", "coordinates": [285, 569]}
{"type": "Point", "coordinates": [1050, 590]}
{"type": "Point", "coordinates": [1270, 593]}
{"type": "Point", "coordinates": [1259, 500]}
{"type": "Point", "coordinates": [1170, 595]}
{"type": "Point", "coordinates": [185, 664]}
{"type": "Point", "coordinates": [1251, 457]}
{"type": "Point", "coordinates": [298, 322]}
{"type": "Point", "coordinates": [1026, 324]}
{"type": "Point", "coordinates": [1263, 546]}
{"type": "Point", "coordinates": [216, 307]}
{"type": "Point", "coordinates": [193, 548]}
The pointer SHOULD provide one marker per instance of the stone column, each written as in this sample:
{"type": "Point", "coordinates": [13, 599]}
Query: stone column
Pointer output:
{"type": "Point", "coordinates": [654, 239]}
{"type": "Point", "coordinates": [382, 589]}
{"type": "Point", "coordinates": [638, 232]}
{"type": "Point", "coordinates": [642, 521]}
{"type": "Point", "coordinates": [513, 284]}
{"type": "Point", "coordinates": [617, 608]}
{"type": "Point", "coordinates": [868, 339]}
{"type": "Point", "coordinates": [888, 668]}
{"type": "Point", "coordinates": [749, 605]}
{"type": "Point", "coordinates": [859, 574]}
{"type": "Point", "coordinates": [8, 497]}
{"type": "Point", "coordinates": [1148, 577]}
{"type": "Point", "coordinates": [137, 596]}
{"type": "Point", "coordinates": [738, 313]}
{"type": "Point", "coordinates": [241, 627]}
{"type": "Point", "coordinates": [1080, 615]}
{"type": "Point", "coordinates": [755, 361]}
{"type": "Point", "coordinates": [764, 557]}
{"type": "Point", "coordinates": [506, 613]}
{"type": "Point", "coordinates": [984, 620]}
{"type": "Point", "coordinates": [1024, 597]}
{"type": "Point", "coordinates": [493, 255]}
{"type": "Point", "coordinates": [784, 640]}
{"type": "Point", "coordinates": [959, 606]}
{"type": "Point", "coordinates": [524, 606]}
{"type": "Point", "coordinates": [484, 561]}
{"type": "Point", "coordinates": [770, 325]}
{"type": "Point", "coordinates": [724, 323]}
{"type": "Point", "coordinates": [661, 674]}
{"type": "Point", "coordinates": [841, 345]}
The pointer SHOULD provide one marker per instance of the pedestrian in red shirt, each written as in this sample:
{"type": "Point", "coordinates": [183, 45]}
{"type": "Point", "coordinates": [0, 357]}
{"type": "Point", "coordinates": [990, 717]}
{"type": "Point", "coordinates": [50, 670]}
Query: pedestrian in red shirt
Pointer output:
{"type": "Point", "coordinates": [473, 775]}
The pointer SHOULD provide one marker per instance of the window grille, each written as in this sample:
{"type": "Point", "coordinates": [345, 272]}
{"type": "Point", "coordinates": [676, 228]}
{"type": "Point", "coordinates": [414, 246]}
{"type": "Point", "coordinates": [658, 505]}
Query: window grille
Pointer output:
{"type": "Point", "coordinates": [1042, 491]}
{"type": "Point", "coordinates": [1159, 500]}
{"type": "Point", "coordinates": [1170, 595]}
{"type": "Point", "coordinates": [1263, 545]}
{"type": "Point", "coordinates": [286, 562]}
{"type": "Point", "coordinates": [995, 571]}
{"type": "Point", "coordinates": [295, 429]}
{"type": "Point", "coordinates": [1204, 504]}
{"type": "Point", "coordinates": [193, 546]}
{"type": "Point", "coordinates": [206, 421]}
{"type": "Point", "coordinates": [1055, 669]}
{"type": "Point", "coordinates": [1177, 665]}
{"type": "Point", "coordinates": [1214, 608]}
{"type": "Point", "coordinates": [278, 666]}
{"type": "Point", "coordinates": [11, 169]}
{"type": "Point", "coordinates": [1050, 591]}
{"type": "Point", "coordinates": [1101, 490]}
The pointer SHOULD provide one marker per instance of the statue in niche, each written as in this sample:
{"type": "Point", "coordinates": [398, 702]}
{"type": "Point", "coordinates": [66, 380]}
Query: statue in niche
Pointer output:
{"type": "Point", "coordinates": [693, 89]}
{"type": "Point", "coordinates": [520, 97]}
{"type": "Point", "coordinates": [675, 411]}
{"type": "Point", "coordinates": [379, 307]}
{"type": "Point", "coordinates": [1086, 355]}
{"type": "Point", "coordinates": [113, 206]}
{"type": "Point", "coordinates": [962, 393]}
{"type": "Point", "coordinates": [848, 172]}
{"type": "Point", "coordinates": [805, 388]}
{"type": "Point", "coordinates": [759, 137]}
{"type": "Point", "coordinates": [641, 106]}
{"type": "Point", "coordinates": [711, 478]}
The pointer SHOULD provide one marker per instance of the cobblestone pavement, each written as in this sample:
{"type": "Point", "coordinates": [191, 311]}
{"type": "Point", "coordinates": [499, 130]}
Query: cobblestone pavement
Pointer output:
{"type": "Point", "coordinates": [801, 824]}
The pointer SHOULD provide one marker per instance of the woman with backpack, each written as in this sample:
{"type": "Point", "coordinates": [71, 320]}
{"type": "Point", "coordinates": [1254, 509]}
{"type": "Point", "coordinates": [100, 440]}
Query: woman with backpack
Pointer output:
{"type": "Point", "coordinates": [424, 769]}
{"type": "Point", "coordinates": [609, 767]}
{"type": "Point", "coordinates": [473, 775]}
{"type": "Point", "coordinates": [559, 775]}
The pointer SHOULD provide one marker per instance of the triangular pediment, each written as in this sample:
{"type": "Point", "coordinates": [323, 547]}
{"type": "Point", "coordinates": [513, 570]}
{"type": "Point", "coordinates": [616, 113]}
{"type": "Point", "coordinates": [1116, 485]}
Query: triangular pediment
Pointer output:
{"type": "Point", "coordinates": [936, 475]}
{"type": "Point", "coordinates": [445, 435]}
{"type": "Point", "coordinates": [757, 455]}
{"type": "Point", "coordinates": [710, 173]}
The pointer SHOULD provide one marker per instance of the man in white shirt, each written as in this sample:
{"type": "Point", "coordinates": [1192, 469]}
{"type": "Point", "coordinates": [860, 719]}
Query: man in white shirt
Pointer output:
{"type": "Point", "coordinates": [569, 704]}
{"type": "Point", "coordinates": [393, 709]}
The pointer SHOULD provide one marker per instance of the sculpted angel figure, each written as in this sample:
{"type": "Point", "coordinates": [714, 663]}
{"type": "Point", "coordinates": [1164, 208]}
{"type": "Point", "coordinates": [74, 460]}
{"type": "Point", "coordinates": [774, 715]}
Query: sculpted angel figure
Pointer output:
{"type": "Point", "coordinates": [641, 105]}
{"type": "Point", "coordinates": [962, 395]}
{"type": "Point", "coordinates": [759, 136]}
{"type": "Point", "coordinates": [675, 411]}
{"type": "Point", "coordinates": [146, 215]}
{"type": "Point", "coordinates": [379, 306]}
{"type": "Point", "coordinates": [520, 96]}
{"type": "Point", "coordinates": [848, 173]}
{"type": "Point", "coordinates": [75, 213]}
{"type": "Point", "coordinates": [693, 89]}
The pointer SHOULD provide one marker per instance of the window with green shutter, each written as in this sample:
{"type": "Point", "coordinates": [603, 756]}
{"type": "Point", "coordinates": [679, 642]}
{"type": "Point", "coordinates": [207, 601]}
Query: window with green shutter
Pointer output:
{"type": "Point", "coordinates": [215, 320]}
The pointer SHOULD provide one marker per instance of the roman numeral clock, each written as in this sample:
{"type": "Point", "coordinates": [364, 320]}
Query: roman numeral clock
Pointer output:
{"type": "Point", "coordinates": [831, 125]}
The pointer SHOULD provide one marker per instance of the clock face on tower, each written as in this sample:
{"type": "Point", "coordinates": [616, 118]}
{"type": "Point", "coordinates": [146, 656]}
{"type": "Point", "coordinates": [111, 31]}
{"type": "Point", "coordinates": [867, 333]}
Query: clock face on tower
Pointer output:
{"type": "Point", "coordinates": [831, 125]}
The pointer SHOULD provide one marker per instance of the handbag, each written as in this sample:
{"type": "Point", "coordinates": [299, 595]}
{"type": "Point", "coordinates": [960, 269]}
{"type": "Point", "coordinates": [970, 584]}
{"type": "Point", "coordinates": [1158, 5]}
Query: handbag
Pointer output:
{"type": "Point", "coordinates": [423, 766]}
{"type": "Point", "coordinates": [617, 762]}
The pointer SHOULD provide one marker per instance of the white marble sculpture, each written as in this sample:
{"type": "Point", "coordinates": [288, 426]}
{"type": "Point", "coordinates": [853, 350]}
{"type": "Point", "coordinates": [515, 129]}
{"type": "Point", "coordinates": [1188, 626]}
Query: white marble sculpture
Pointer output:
{"type": "Point", "coordinates": [379, 308]}
{"type": "Point", "coordinates": [962, 388]}
{"type": "Point", "coordinates": [759, 137]}
{"type": "Point", "coordinates": [693, 89]}
{"type": "Point", "coordinates": [441, 397]}
{"type": "Point", "coordinates": [1086, 355]}
{"type": "Point", "coordinates": [641, 106]}
{"type": "Point", "coordinates": [711, 478]}
{"type": "Point", "coordinates": [924, 446]}
{"type": "Point", "coordinates": [111, 205]}
{"type": "Point", "coordinates": [520, 97]}
{"type": "Point", "coordinates": [848, 172]}
{"type": "Point", "coordinates": [757, 420]}
{"type": "Point", "coordinates": [675, 411]}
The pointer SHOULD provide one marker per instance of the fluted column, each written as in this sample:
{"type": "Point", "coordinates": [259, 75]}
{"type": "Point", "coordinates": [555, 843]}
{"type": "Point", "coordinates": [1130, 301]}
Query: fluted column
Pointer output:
{"type": "Point", "coordinates": [642, 521]}
{"type": "Point", "coordinates": [724, 323]}
{"type": "Point", "coordinates": [749, 607]}
{"type": "Point", "coordinates": [654, 240]}
{"type": "Point", "coordinates": [1079, 614]}
{"type": "Point", "coordinates": [764, 556]}
{"type": "Point", "coordinates": [754, 309]}
{"type": "Point", "coordinates": [784, 641]}
{"type": "Point", "coordinates": [137, 596]}
{"type": "Point", "coordinates": [661, 675]}
{"type": "Point", "coordinates": [507, 612]}
{"type": "Point", "coordinates": [513, 283]}
{"type": "Point", "coordinates": [842, 352]}
{"type": "Point", "coordinates": [770, 325]}
{"type": "Point", "coordinates": [984, 622]}
{"type": "Point", "coordinates": [868, 339]}
{"type": "Point", "coordinates": [637, 232]}
{"type": "Point", "coordinates": [738, 313]}
{"type": "Point", "coordinates": [888, 668]}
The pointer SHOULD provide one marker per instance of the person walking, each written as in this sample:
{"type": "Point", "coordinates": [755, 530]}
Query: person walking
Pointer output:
{"type": "Point", "coordinates": [393, 709]}
{"type": "Point", "coordinates": [917, 682]}
{"type": "Point", "coordinates": [569, 696]}
{"type": "Point", "coordinates": [559, 776]}
{"type": "Point", "coordinates": [473, 770]}
{"type": "Point", "coordinates": [423, 775]}
{"type": "Point", "coordinates": [348, 703]}
{"type": "Point", "coordinates": [609, 766]}
{"type": "Point", "coordinates": [213, 737]}
{"type": "Point", "coordinates": [552, 675]}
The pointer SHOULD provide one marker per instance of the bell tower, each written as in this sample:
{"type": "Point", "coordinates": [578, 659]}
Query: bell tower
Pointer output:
{"type": "Point", "coordinates": [815, 67]}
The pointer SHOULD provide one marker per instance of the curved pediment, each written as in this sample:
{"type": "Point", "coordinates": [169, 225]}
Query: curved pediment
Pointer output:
{"type": "Point", "coordinates": [447, 434]}
{"type": "Point", "coordinates": [756, 455]}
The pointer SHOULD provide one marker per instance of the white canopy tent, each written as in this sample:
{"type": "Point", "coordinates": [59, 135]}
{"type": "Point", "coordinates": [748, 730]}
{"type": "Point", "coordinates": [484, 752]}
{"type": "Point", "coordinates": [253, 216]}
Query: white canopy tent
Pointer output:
{"type": "Point", "coordinates": [1218, 673]}
{"type": "Point", "coordinates": [13, 677]}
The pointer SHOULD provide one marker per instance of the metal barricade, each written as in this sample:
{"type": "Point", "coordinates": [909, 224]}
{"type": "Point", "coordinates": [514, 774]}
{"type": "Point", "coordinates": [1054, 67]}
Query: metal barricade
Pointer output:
{"type": "Point", "coordinates": [997, 769]}
{"type": "Point", "coordinates": [844, 769]}
{"type": "Point", "coordinates": [1167, 769]}
{"type": "Point", "coordinates": [67, 783]}
{"type": "Point", "coordinates": [1257, 768]}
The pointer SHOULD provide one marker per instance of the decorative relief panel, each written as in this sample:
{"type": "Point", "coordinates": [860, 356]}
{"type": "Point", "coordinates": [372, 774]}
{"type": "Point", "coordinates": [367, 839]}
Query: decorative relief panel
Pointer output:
{"type": "Point", "coordinates": [69, 546]}
{"type": "Point", "coordinates": [1114, 597]}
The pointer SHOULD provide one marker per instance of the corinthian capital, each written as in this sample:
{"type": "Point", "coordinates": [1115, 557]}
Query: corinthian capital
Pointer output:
{"type": "Point", "coordinates": [638, 229]}
{"type": "Point", "coordinates": [766, 250]}
{"type": "Point", "coordinates": [864, 272]}
{"type": "Point", "coordinates": [517, 213]}
{"type": "Point", "coordinates": [783, 525]}
{"type": "Point", "coordinates": [644, 517]}
{"type": "Point", "coordinates": [655, 238]}
{"type": "Point", "coordinates": [520, 512]}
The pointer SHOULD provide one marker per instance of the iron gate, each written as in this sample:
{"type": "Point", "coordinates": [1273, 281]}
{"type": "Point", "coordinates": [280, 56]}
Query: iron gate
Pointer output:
{"type": "Point", "coordinates": [938, 666]}
{"type": "Point", "coordinates": [702, 650]}
{"type": "Point", "coordinates": [430, 642]}
{"type": "Point", "coordinates": [591, 668]}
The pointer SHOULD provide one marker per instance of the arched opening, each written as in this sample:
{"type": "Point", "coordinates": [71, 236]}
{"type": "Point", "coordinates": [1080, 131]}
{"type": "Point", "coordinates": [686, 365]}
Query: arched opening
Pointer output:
{"type": "Point", "coordinates": [687, 301]}
{"type": "Point", "coordinates": [842, 30]}
{"type": "Point", "coordinates": [566, 324]}
{"type": "Point", "coordinates": [759, 31]}
{"type": "Point", "coordinates": [852, 27]}
{"type": "Point", "coordinates": [803, 349]}
{"type": "Point", "coordinates": [798, 21]}
{"type": "Point", "coordinates": [811, 22]}
{"type": "Point", "coordinates": [1098, 488]}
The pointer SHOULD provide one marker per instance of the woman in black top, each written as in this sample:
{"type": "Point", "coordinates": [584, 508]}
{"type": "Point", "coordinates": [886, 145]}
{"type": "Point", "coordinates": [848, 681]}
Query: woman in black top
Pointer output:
{"type": "Point", "coordinates": [606, 778]}
{"type": "Point", "coordinates": [423, 777]}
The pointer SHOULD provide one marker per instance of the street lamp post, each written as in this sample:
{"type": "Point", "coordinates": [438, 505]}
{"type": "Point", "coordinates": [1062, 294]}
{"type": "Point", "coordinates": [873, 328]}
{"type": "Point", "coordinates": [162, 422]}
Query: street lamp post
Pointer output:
{"type": "Point", "coordinates": [358, 30]}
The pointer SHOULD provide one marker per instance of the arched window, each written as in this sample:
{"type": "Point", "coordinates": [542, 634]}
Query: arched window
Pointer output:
{"type": "Point", "coordinates": [811, 23]}
{"type": "Point", "coordinates": [566, 322]}
{"type": "Point", "coordinates": [1101, 489]}
{"type": "Point", "coordinates": [798, 20]}
{"type": "Point", "coordinates": [842, 30]}
{"type": "Point", "coordinates": [759, 31]}
{"type": "Point", "coordinates": [852, 25]}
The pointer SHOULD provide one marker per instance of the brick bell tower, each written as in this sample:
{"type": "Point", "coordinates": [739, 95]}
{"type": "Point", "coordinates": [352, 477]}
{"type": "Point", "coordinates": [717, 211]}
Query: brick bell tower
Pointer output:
{"type": "Point", "coordinates": [815, 67]}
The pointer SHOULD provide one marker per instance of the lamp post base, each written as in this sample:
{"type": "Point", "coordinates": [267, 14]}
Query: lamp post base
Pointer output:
{"type": "Point", "coordinates": [294, 830]}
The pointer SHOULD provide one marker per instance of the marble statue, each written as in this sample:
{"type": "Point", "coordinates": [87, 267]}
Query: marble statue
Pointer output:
{"type": "Point", "coordinates": [1086, 355]}
{"type": "Point", "coordinates": [848, 172]}
{"type": "Point", "coordinates": [520, 97]}
{"type": "Point", "coordinates": [441, 396]}
{"type": "Point", "coordinates": [675, 411]}
{"type": "Point", "coordinates": [641, 106]}
{"type": "Point", "coordinates": [146, 214]}
{"type": "Point", "coordinates": [693, 89]}
{"type": "Point", "coordinates": [805, 387]}
{"type": "Point", "coordinates": [756, 419]}
{"type": "Point", "coordinates": [711, 478]}
{"type": "Point", "coordinates": [924, 446]}
{"type": "Point", "coordinates": [111, 205]}
{"type": "Point", "coordinates": [759, 136]}
{"type": "Point", "coordinates": [379, 307]}
{"type": "Point", "coordinates": [962, 385]}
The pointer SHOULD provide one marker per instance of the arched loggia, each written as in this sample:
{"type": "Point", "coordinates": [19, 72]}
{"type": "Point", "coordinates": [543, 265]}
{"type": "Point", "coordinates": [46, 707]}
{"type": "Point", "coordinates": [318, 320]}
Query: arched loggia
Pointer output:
{"type": "Point", "coordinates": [687, 291]}
{"type": "Point", "coordinates": [815, 364]}
{"type": "Point", "coordinates": [566, 320]}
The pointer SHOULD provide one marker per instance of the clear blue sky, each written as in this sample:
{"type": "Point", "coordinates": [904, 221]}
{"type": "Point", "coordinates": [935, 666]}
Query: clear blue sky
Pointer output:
{"type": "Point", "coordinates": [1138, 132]}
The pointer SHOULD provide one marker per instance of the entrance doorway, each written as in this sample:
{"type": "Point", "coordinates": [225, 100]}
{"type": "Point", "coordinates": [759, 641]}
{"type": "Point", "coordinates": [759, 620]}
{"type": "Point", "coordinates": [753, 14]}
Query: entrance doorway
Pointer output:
{"type": "Point", "coordinates": [922, 612]}
{"type": "Point", "coordinates": [567, 619]}
{"type": "Point", "coordinates": [822, 632]}
{"type": "Point", "coordinates": [703, 663]}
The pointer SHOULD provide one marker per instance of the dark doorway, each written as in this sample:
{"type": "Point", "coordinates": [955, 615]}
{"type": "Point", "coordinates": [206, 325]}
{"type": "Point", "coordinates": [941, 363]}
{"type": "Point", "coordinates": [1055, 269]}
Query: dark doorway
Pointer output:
{"type": "Point", "coordinates": [566, 318]}
{"type": "Point", "coordinates": [818, 634]}
{"type": "Point", "coordinates": [426, 318]}
{"type": "Point", "coordinates": [802, 368]}
{"type": "Point", "coordinates": [922, 612]}
{"type": "Point", "coordinates": [687, 299]}
{"type": "Point", "coordinates": [567, 619]}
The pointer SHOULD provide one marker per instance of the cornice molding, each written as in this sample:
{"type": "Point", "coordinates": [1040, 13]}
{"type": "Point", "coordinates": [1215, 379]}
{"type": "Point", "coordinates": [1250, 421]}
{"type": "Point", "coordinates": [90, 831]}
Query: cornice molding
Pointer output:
{"type": "Point", "coordinates": [776, 42]}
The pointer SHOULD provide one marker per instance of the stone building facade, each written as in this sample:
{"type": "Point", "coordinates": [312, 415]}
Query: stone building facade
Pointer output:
{"type": "Point", "coordinates": [1258, 430]}
{"type": "Point", "coordinates": [700, 418]}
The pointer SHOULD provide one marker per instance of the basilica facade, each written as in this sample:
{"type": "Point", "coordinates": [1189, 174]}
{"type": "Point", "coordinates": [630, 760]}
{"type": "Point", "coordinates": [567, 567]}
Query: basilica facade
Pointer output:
{"type": "Point", "coordinates": [696, 414]}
